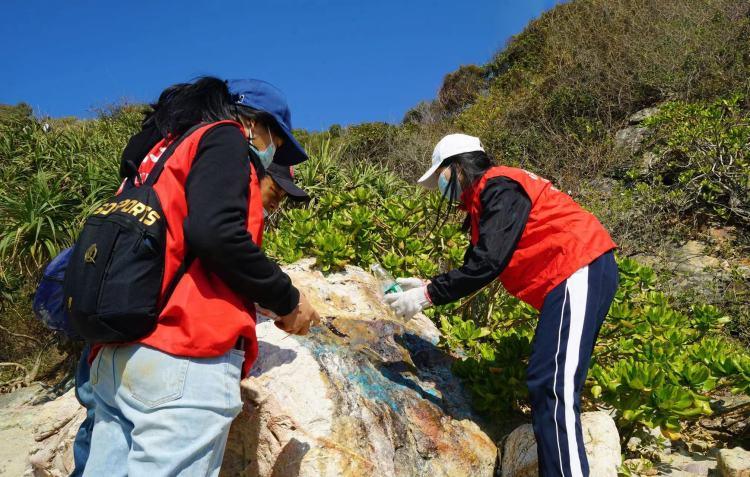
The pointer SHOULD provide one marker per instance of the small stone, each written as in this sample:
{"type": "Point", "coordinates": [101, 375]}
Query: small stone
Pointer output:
{"type": "Point", "coordinates": [647, 161]}
{"type": "Point", "coordinates": [641, 466]}
{"type": "Point", "coordinates": [642, 115]}
{"type": "Point", "coordinates": [631, 138]}
{"type": "Point", "coordinates": [734, 462]}
{"type": "Point", "coordinates": [697, 468]}
{"type": "Point", "coordinates": [698, 445]}
{"type": "Point", "coordinates": [723, 234]}
{"type": "Point", "coordinates": [686, 464]}
{"type": "Point", "coordinates": [633, 443]}
{"type": "Point", "coordinates": [691, 258]}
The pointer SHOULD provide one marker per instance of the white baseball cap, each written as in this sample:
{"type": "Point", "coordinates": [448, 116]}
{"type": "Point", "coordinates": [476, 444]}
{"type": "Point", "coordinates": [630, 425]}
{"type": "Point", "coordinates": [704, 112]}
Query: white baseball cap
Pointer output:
{"type": "Point", "coordinates": [446, 148]}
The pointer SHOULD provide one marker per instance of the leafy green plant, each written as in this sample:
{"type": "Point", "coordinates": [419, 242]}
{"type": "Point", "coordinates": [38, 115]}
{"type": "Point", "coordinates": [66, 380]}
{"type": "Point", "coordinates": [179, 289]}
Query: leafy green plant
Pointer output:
{"type": "Point", "coordinates": [703, 154]}
{"type": "Point", "coordinates": [361, 217]}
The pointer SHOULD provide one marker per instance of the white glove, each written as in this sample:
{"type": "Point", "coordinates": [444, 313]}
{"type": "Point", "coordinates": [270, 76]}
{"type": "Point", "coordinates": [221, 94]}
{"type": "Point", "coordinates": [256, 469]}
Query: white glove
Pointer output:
{"type": "Point", "coordinates": [410, 302]}
{"type": "Point", "coordinates": [409, 283]}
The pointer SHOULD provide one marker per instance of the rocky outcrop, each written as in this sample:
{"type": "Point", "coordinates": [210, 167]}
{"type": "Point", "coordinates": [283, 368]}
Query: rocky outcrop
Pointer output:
{"type": "Point", "coordinates": [600, 438]}
{"type": "Point", "coordinates": [632, 137]}
{"type": "Point", "coordinates": [691, 266]}
{"type": "Point", "coordinates": [362, 394]}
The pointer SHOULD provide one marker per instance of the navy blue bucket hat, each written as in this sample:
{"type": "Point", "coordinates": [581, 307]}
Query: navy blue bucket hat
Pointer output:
{"type": "Point", "coordinates": [264, 96]}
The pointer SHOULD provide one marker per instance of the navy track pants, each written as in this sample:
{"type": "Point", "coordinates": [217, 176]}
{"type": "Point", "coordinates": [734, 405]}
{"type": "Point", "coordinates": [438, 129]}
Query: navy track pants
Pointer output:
{"type": "Point", "coordinates": [569, 323]}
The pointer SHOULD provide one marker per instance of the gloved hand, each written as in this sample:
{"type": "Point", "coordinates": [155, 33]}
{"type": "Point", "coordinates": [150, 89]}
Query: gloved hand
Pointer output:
{"type": "Point", "coordinates": [409, 283]}
{"type": "Point", "coordinates": [408, 303]}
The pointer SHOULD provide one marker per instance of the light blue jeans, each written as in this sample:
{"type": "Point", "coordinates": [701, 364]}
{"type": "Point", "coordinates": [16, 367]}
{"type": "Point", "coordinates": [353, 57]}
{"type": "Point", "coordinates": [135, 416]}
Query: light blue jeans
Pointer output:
{"type": "Point", "coordinates": [159, 414]}
{"type": "Point", "coordinates": [85, 396]}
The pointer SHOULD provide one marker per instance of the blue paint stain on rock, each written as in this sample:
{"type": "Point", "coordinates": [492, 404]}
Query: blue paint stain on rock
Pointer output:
{"type": "Point", "coordinates": [374, 388]}
{"type": "Point", "coordinates": [392, 368]}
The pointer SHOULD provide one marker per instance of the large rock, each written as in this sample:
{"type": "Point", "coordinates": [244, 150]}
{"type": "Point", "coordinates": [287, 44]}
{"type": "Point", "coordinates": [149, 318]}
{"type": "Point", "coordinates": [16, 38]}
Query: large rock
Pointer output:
{"type": "Point", "coordinates": [734, 462]}
{"type": "Point", "coordinates": [600, 438]}
{"type": "Point", "coordinates": [362, 394]}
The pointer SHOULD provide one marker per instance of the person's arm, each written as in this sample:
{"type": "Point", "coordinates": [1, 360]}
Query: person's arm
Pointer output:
{"type": "Point", "coordinates": [216, 225]}
{"type": "Point", "coordinates": [138, 146]}
{"type": "Point", "coordinates": [505, 210]}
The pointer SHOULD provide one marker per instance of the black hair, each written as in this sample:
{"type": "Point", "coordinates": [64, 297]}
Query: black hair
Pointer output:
{"type": "Point", "coordinates": [473, 165]}
{"type": "Point", "coordinates": [149, 119]}
{"type": "Point", "coordinates": [207, 99]}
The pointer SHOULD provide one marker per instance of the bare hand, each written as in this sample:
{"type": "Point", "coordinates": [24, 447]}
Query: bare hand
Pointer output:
{"type": "Point", "coordinates": [298, 322]}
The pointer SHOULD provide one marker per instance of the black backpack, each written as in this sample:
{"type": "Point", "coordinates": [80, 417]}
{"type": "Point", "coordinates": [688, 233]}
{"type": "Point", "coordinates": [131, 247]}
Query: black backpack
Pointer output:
{"type": "Point", "coordinates": [113, 280]}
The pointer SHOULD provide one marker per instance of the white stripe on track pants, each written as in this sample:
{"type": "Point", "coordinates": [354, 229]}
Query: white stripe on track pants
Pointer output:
{"type": "Point", "coordinates": [569, 323]}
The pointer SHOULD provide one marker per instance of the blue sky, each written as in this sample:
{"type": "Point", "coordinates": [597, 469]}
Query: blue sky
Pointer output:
{"type": "Point", "coordinates": [338, 61]}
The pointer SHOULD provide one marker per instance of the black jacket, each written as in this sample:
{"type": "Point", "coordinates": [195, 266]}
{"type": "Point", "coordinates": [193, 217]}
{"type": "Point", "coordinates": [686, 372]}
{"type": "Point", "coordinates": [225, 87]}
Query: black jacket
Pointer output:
{"type": "Point", "coordinates": [505, 211]}
{"type": "Point", "coordinates": [216, 227]}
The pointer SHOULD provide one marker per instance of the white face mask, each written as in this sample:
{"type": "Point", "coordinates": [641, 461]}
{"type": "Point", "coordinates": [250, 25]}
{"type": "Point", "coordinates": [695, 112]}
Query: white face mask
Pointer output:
{"type": "Point", "coordinates": [443, 184]}
{"type": "Point", "coordinates": [266, 155]}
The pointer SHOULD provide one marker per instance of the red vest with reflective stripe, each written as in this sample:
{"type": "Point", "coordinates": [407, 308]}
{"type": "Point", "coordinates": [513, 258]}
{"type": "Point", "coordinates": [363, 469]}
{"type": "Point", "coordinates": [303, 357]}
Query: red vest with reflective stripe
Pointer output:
{"type": "Point", "coordinates": [559, 238]}
{"type": "Point", "coordinates": [203, 317]}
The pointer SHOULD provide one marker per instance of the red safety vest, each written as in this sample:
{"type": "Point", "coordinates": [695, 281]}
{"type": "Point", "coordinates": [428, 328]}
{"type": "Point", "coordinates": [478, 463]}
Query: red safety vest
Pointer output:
{"type": "Point", "coordinates": [559, 238]}
{"type": "Point", "coordinates": [203, 317]}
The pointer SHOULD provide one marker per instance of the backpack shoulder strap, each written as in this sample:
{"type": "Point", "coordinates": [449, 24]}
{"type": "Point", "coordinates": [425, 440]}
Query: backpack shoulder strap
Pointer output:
{"type": "Point", "coordinates": [153, 176]}
{"type": "Point", "coordinates": [151, 180]}
{"type": "Point", "coordinates": [178, 274]}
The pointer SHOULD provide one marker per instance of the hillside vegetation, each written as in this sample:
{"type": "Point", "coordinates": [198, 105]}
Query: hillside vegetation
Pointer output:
{"type": "Point", "coordinates": [553, 101]}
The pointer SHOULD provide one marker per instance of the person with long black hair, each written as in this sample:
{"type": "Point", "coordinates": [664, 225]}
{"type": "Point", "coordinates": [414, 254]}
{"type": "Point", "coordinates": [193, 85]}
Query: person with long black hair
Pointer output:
{"type": "Point", "coordinates": [163, 405]}
{"type": "Point", "coordinates": [548, 252]}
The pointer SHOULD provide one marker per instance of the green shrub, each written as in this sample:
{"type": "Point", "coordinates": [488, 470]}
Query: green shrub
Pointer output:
{"type": "Point", "coordinates": [703, 159]}
{"type": "Point", "coordinates": [461, 87]}
{"type": "Point", "coordinates": [362, 216]}
{"type": "Point", "coordinates": [53, 177]}
{"type": "Point", "coordinates": [368, 141]}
